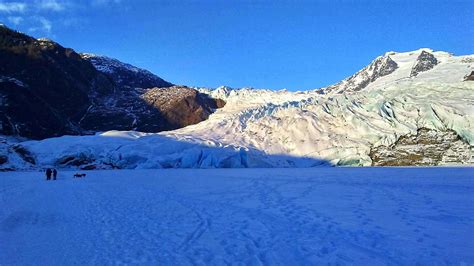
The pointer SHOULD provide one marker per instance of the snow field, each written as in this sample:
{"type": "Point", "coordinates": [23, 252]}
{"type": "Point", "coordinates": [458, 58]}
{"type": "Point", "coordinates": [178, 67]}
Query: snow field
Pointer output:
{"type": "Point", "coordinates": [358, 216]}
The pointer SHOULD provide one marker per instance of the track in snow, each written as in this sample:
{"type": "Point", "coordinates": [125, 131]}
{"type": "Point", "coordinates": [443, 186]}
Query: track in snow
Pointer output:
{"type": "Point", "coordinates": [253, 216]}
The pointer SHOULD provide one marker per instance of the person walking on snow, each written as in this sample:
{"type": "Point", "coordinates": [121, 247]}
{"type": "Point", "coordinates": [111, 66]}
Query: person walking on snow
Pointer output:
{"type": "Point", "coordinates": [48, 174]}
{"type": "Point", "coordinates": [55, 173]}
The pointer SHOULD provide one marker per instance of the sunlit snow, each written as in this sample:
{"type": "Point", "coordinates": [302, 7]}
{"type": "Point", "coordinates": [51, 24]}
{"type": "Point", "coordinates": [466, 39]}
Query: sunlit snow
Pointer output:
{"type": "Point", "coordinates": [337, 216]}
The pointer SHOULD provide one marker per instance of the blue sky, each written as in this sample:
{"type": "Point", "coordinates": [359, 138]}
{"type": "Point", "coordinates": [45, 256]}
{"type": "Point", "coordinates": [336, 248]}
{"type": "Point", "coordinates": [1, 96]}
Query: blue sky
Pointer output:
{"type": "Point", "coordinates": [296, 45]}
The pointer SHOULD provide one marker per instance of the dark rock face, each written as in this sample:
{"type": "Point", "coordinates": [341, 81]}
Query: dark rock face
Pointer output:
{"type": "Point", "coordinates": [426, 147]}
{"type": "Point", "coordinates": [3, 159]}
{"type": "Point", "coordinates": [47, 90]}
{"type": "Point", "coordinates": [383, 67]}
{"type": "Point", "coordinates": [424, 62]}
{"type": "Point", "coordinates": [469, 77]}
{"type": "Point", "coordinates": [44, 87]}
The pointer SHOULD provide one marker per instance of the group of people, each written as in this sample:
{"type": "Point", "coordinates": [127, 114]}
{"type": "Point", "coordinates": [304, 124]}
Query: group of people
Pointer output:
{"type": "Point", "coordinates": [51, 173]}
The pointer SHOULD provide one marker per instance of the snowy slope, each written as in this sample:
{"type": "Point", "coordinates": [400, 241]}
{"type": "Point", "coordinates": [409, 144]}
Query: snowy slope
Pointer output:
{"type": "Point", "coordinates": [125, 74]}
{"type": "Point", "coordinates": [110, 65]}
{"type": "Point", "coordinates": [342, 216]}
{"type": "Point", "coordinates": [344, 125]}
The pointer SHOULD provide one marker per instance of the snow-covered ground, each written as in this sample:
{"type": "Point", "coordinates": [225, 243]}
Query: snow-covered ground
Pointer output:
{"type": "Point", "coordinates": [340, 216]}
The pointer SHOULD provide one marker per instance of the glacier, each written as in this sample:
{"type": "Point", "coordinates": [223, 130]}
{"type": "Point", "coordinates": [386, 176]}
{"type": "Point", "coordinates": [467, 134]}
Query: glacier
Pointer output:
{"type": "Point", "coordinates": [337, 125]}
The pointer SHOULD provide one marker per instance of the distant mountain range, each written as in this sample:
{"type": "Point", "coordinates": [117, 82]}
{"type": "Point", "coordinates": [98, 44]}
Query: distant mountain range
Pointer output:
{"type": "Point", "coordinates": [403, 108]}
{"type": "Point", "coordinates": [47, 90]}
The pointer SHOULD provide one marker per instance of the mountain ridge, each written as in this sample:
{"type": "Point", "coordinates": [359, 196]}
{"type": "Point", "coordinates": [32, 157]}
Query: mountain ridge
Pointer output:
{"type": "Point", "coordinates": [395, 119]}
{"type": "Point", "coordinates": [47, 90]}
{"type": "Point", "coordinates": [125, 74]}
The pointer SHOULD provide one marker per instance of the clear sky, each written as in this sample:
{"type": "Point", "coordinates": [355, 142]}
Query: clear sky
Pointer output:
{"type": "Point", "coordinates": [296, 45]}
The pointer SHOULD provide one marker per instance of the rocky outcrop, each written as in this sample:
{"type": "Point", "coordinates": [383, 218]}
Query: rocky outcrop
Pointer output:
{"type": "Point", "coordinates": [47, 90]}
{"type": "Point", "coordinates": [150, 110]}
{"type": "Point", "coordinates": [426, 147]}
{"type": "Point", "coordinates": [173, 102]}
{"type": "Point", "coordinates": [424, 62]}
{"type": "Point", "coordinates": [469, 77]}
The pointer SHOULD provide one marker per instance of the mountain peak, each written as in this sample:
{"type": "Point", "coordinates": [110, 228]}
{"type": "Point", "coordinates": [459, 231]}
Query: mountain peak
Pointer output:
{"type": "Point", "coordinates": [392, 67]}
{"type": "Point", "coordinates": [379, 67]}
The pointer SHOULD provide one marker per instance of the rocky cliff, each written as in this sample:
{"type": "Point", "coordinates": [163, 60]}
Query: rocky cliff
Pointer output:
{"type": "Point", "coordinates": [426, 147]}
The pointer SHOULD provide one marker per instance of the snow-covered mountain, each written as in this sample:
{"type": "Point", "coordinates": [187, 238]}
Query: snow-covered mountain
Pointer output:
{"type": "Point", "coordinates": [47, 90]}
{"type": "Point", "coordinates": [381, 66]}
{"type": "Point", "coordinates": [125, 74]}
{"type": "Point", "coordinates": [410, 108]}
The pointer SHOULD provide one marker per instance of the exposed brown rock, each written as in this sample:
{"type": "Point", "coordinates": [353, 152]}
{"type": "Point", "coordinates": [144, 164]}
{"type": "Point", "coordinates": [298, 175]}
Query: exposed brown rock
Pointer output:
{"type": "Point", "coordinates": [426, 147]}
{"type": "Point", "coordinates": [181, 106]}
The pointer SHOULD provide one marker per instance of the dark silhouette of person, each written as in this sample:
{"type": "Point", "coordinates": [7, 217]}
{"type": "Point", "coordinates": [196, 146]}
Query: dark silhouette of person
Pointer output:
{"type": "Point", "coordinates": [48, 174]}
{"type": "Point", "coordinates": [55, 173]}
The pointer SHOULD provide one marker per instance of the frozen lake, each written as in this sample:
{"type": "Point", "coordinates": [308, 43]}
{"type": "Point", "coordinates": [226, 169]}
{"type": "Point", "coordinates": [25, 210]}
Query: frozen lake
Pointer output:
{"type": "Point", "coordinates": [229, 216]}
